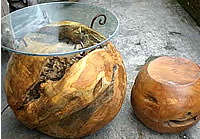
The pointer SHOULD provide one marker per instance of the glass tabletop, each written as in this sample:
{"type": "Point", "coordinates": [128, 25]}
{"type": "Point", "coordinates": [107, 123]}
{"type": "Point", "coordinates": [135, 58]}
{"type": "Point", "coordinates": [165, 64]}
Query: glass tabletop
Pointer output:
{"type": "Point", "coordinates": [45, 25]}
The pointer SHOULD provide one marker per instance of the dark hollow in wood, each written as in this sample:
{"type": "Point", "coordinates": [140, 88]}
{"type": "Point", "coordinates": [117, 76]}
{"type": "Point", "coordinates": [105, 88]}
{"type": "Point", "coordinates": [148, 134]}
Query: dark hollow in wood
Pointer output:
{"type": "Point", "coordinates": [165, 95]}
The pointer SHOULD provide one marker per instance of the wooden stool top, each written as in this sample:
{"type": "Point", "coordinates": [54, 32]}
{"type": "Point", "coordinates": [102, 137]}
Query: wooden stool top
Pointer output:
{"type": "Point", "coordinates": [174, 70]}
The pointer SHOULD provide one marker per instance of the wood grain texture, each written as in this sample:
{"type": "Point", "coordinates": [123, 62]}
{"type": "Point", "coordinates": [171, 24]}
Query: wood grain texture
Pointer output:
{"type": "Point", "coordinates": [86, 98]}
{"type": "Point", "coordinates": [143, 33]}
{"type": "Point", "coordinates": [173, 70]}
{"type": "Point", "coordinates": [166, 94]}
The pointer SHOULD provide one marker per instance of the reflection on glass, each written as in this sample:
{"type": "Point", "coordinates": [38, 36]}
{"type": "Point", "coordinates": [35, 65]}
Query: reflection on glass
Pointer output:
{"type": "Point", "coordinates": [39, 27]}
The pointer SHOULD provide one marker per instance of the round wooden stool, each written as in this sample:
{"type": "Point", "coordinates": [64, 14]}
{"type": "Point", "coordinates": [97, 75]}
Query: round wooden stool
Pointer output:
{"type": "Point", "coordinates": [166, 94]}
